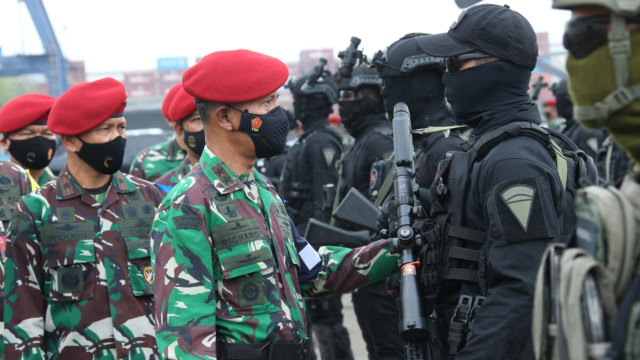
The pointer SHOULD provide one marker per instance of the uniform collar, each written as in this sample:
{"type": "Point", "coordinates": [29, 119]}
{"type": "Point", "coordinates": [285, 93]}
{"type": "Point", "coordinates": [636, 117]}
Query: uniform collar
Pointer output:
{"type": "Point", "coordinates": [222, 178]}
{"type": "Point", "coordinates": [68, 187]}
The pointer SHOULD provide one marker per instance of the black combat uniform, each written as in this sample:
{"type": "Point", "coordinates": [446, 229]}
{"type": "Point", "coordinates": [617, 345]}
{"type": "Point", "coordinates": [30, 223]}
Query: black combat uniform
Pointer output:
{"type": "Point", "coordinates": [362, 115]}
{"type": "Point", "coordinates": [311, 164]}
{"type": "Point", "coordinates": [497, 212]}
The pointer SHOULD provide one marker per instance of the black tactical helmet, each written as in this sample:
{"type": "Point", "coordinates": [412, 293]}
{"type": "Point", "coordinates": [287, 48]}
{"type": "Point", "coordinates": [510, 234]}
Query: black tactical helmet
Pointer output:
{"type": "Point", "coordinates": [404, 57]}
{"type": "Point", "coordinates": [362, 75]}
{"type": "Point", "coordinates": [310, 84]}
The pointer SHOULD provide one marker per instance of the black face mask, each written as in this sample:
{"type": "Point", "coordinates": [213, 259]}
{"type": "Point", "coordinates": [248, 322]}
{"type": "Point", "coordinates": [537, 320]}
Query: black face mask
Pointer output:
{"type": "Point", "coordinates": [35, 153]}
{"type": "Point", "coordinates": [105, 158]}
{"type": "Point", "coordinates": [195, 141]}
{"type": "Point", "coordinates": [352, 113]}
{"type": "Point", "coordinates": [486, 93]}
{"type": "Point", "coordinates": [422, 92]}
{"type": "Point", "coordinates": [268, 132]}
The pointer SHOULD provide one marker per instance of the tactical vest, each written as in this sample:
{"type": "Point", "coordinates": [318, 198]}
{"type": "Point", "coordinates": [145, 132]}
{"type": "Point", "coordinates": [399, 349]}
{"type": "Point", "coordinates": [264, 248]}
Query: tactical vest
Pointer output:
{"type": "Point", "coordinates": [382, 170]}
{"type": "Point", "coordinates": [453, 252]}
{"type": "Point", "coordinates": [457, 255]}
{"type": "Point", "coordinates": [294, 182]}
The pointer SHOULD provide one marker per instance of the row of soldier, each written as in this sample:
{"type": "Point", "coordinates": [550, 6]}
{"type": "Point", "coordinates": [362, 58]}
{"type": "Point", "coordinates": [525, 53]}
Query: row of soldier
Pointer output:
{"type": "Point", "coordinates": [96, 259]}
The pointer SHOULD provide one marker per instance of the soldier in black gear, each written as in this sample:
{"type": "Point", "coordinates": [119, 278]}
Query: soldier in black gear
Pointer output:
{"type": "Point", "coordinates": [589, 141]}
{"type": "Point", "coordinates": [311, 164]}
{"type": "Point", "coordinates": [415, 78]}
{"type": "Point", "coordinates": [496, 212]}
{"type": "Point", "coordinates": [362, 114]}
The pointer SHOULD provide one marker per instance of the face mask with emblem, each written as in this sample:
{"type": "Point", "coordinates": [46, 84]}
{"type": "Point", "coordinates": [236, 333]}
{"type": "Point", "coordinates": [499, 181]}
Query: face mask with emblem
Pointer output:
{"type": "Point", "coordinates": [33, 153]}
{"type": "Point", "coordinates": [268, 132]}
{"type": "Point", "coordinates": [195, 141]}
{"type": "Point", "coordinates": [105, 158]}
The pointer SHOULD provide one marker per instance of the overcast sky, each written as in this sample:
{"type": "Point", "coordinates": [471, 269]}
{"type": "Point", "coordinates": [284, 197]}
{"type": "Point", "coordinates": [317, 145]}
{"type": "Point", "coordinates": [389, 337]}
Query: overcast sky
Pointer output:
{"type": "Point", "coordinates": [120, 35]}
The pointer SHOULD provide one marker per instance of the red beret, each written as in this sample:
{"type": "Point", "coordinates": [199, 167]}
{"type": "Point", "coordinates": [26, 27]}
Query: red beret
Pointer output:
{"type": "Point", "coordinates": [166, 103]}
{"type": "Point", "coordinates": [334, 119]}
{"type": "Point", "coordinates": [24, 110]}
{"type": "Point", "coordinates": [234, 76]}
{"type": "Point", "coordinates": [87, 105]}
{"type": "Point", "coordinates": [182, 105]}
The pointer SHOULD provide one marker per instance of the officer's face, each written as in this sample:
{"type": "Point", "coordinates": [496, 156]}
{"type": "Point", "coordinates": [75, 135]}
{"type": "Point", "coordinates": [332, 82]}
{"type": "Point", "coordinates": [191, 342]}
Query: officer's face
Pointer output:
{"type": "Point", "coordinates": [26, 133]}
{"type": "Point", "coordinates": [193, 123]}
{"type": "Point", "coordinates": [260, 106]}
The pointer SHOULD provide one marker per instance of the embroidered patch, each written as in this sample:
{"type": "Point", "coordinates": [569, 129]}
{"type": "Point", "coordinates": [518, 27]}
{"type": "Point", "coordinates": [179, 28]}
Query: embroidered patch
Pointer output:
{"type": "Point", "coordinates": [255, 124]}
{"type": "Point", "coordinates": [222, 174]}
{"type": "Point", "coordinates": [250, 291]}
{"type": "Point", "coordinates": [187, 222]}
{"type": "Point", "coordinates": [148, 274]}
{"type": "Point", "coordinates": [65, 214]}
{"type": "Point", "coordinates": [519, 200]}
{"type": "Point", "coordinates": [329, 155]}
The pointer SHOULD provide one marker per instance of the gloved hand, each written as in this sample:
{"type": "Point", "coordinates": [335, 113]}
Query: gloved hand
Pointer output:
{"type": "Point", "coordinates": [388, 217]}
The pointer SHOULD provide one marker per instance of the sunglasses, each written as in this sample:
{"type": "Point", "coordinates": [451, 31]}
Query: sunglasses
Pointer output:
{"type": "Point", "coordinates": [582, 36]}
{"type": "Point", "coordinates": [453, 63]}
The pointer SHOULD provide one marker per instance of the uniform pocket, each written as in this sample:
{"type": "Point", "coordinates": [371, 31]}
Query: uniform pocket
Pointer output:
{"type": "Point", "coordinates": [136, 236]}
{"type": "Point", "coordinates": [247, 280]}
{"type": "Point", "coordinates": [72, 270]}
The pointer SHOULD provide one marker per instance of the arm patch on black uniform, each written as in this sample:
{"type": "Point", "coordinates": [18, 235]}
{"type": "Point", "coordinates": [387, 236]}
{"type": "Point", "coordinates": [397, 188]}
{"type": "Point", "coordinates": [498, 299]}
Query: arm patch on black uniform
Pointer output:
{"type": "Point", "coordinates": [520, 210]}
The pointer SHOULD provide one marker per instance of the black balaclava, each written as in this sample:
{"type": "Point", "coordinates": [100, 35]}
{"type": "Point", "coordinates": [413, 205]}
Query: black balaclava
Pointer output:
{"type": "Point", "coordinates": [422, 91]}
{"type": "Point", "coordinates": [490, 95]}
{"type": "Point", "coordinates": [311, 109]}
{"type": "Point", "coordinates": [355, 115]}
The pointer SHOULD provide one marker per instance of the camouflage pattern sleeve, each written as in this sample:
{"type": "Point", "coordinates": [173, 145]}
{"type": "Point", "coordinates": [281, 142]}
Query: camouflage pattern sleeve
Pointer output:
{"type": "Point", "coordinates": [137, 168]}
{"type": "Point", "coordinates": [184, 283]}
{"type": "Point", "coordinates": [23, 302]}
{"type": "Point", "coordinates": [343, 270]}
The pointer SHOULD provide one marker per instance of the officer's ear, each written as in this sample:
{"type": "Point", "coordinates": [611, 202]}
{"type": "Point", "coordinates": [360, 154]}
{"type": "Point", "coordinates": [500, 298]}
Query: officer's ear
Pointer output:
{"type": "Point", "coordinates": [223, 116]}
{"type": "Point", "coordinates": [177, 126]}
{"type": "Point", "coordinates": [5, 142]}
{"type": "Point", "coordinates": [71, 142]}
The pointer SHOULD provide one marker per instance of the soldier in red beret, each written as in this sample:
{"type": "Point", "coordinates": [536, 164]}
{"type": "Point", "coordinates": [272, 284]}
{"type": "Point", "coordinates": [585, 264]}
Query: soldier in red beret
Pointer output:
{"type": "Point", "coordinates": [230, 268]}
{"type": "Point", "coordinates": [80, 280]}
{"type": "Point", "coordinates": [157, 160]}
{"type": "Point", "coordinates": [23, 123]}
{"type": "Point", "coordinates": [189, 129]}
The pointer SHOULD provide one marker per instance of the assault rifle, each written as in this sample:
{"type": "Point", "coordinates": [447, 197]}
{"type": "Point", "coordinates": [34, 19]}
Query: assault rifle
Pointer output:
{"type": "Point", "coordinates": [355, 209]}
{"type": "Point", "coordinates": [407, 239]}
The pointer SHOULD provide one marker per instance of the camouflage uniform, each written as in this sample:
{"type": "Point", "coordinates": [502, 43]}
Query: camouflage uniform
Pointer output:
{"type": "Point", "coordinates": [155, 161]}
{"type": "Point", "coordinates": [230, 267]}
{"type": "Point", "coordinates": [174, 176]}
{"type": "Point", "coordinates": [79, 275]}
{"type": "Point", "coordinates": [14, 183]}
{"type": "Point", "coordinates": [47, 176]}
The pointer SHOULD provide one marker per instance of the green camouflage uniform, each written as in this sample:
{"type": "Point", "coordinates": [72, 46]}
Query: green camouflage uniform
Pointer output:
{"type": "Point", "coordinates": [227, 264]}
{"type": "Point", "coordinates": [157, 160]}
{"type": "Point", "coordinates": [78, 272]}
{"type": "Point", "coordinates": [47, 176]}
{"type": "Point", "coordinates": [174, 176]}
{"type": "Point", "coordinates": [14, 183]}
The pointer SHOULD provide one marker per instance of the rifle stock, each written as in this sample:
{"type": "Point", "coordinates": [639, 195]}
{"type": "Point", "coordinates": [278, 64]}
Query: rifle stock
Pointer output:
{"type": "Point", "coordinates": [319, 234]}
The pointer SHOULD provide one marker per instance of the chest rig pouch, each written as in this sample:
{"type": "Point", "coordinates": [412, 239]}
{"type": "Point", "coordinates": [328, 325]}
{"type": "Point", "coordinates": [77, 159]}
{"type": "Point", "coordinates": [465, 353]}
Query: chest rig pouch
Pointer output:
{"type": "Point", "coordinates": [135, 228]}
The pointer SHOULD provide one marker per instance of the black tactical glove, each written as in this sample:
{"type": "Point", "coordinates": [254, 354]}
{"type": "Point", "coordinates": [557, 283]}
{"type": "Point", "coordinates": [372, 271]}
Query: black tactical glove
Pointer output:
{"type": "Point", "coordinates": [388, 218]}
